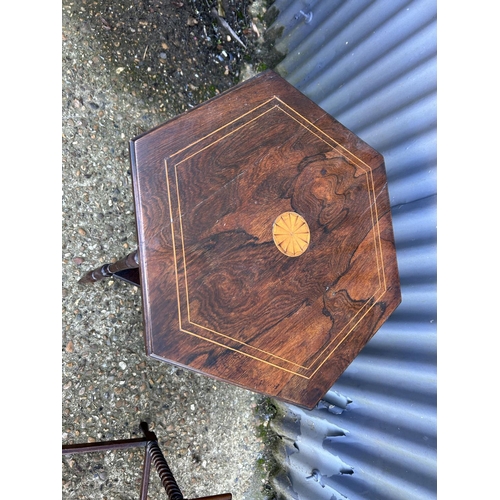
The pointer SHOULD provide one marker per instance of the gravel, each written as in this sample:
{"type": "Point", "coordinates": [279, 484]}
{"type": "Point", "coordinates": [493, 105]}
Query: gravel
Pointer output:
{"type": "Point", "coordinates": [127, 67]}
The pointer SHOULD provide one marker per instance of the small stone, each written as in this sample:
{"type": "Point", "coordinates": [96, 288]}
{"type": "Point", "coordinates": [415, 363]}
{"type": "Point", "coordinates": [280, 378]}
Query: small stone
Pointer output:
{"type": "Point", "coordinates": [70, 346]}
{"type": "Point", "coordinates": [82, 231]}
{"type": "Point", "coordinates": [78, 260]}
{"type": "Point", "coordinates": [122, 365]}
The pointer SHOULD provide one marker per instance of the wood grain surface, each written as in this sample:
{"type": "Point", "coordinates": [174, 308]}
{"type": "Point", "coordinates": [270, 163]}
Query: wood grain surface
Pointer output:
{"type": "Point", "coordinates": [219, 296]}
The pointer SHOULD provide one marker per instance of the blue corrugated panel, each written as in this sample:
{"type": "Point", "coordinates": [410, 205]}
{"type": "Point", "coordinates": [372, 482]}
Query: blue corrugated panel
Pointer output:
{"type": "Point", "coordinates": [372, 65]}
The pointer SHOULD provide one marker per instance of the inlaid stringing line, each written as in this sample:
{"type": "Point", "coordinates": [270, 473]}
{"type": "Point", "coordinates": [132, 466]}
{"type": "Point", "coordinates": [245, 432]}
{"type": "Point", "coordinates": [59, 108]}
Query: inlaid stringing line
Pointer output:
{"type": "Point", "coordinates": [252, 347]}
{"type": "Point", "coordinates": [379, 238]}
{"type": "Point", "coordinates": [224, 126]}
{"type": "Point", "coordinates": [182, 243]}
{"type": "Point", "coordinates": [347, 334]}
{"type": "Point", "coordinates": [320, 132]}
{"type": "Point", "coordinates": [173, 246]}
{"type": "Point", "coordinates": [244, 353]}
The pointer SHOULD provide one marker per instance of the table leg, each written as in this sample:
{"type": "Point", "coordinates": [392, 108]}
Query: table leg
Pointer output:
{"type": "Point", "coordinates": [131, 261]}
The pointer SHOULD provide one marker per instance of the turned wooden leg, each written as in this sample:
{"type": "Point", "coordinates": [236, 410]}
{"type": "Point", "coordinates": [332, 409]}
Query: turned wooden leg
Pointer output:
{"type": "Point", "coordinates": [167, 478]}
{"type": "Point", "coordinates": [131, 261]}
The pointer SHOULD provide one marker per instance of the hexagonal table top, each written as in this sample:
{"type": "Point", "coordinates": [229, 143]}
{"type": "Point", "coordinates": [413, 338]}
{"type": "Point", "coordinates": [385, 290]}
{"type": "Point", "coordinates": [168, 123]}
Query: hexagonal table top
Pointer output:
{"type": "Point", "coordinates": [266, 249]}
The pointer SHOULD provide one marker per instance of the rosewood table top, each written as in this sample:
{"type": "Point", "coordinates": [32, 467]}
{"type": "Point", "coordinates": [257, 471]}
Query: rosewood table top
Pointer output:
{"type": "Point", "coordinates": [266, 249]}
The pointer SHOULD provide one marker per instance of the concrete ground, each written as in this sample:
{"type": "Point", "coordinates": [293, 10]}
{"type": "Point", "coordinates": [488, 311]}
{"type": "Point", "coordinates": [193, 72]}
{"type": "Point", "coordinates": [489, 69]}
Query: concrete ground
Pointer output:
{"type": "Point", "coordinates": [127, 67]}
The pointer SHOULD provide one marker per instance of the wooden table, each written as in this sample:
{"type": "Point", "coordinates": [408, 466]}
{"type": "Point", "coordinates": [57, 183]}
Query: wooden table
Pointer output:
{"type": "Point", "coordinates": [265, 245]}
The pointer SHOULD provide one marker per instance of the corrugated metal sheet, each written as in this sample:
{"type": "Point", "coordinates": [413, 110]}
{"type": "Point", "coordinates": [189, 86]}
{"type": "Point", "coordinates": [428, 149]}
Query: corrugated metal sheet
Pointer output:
{"type": "Point", "coordinates": [372, 65]}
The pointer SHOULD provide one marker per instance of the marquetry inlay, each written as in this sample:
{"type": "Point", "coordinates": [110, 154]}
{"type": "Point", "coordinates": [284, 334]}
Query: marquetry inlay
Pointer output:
{"type": "Point", "coordinates": [291, 234]}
